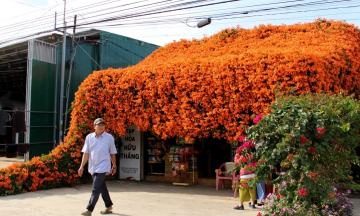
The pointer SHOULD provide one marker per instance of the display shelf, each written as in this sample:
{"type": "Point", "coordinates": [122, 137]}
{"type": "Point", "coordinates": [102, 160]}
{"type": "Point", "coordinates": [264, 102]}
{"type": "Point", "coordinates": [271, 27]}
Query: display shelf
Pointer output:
{"type": "Point", "coordinates": [181, 184]}
{"type": "Point", "coordinates": [155, 173]}
{"type": "Point", "coordinates": [181, 149]}
{"type": "Point", "coordinates": [155, 147]}
{"type": "Point", "coordinates": [154, 162]}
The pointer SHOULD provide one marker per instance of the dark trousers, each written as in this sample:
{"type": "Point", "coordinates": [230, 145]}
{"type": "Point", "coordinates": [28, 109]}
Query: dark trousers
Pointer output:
{"type": "Point", "coordinates": [99, 187]}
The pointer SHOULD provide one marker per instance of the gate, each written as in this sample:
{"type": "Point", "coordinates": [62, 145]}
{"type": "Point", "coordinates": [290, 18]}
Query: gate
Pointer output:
{"type": "Point", "coordinates": [41, 97]}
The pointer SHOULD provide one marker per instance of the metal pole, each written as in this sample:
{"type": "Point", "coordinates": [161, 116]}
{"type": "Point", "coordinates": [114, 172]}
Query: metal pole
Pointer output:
{"type": "Point", "coordinates": [55, 22]}
{"type": "Point", "coordinates": [56, 128]}
{"type": "Point", "coordinates": [70, 70]}
{"type": "Point", "coordinates": [61, 128]}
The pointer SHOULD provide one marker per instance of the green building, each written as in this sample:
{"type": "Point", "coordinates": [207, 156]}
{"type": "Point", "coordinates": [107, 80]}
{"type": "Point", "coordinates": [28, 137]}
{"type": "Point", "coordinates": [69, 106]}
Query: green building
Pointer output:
{"type": "Point", "coordinates": [30, 82]}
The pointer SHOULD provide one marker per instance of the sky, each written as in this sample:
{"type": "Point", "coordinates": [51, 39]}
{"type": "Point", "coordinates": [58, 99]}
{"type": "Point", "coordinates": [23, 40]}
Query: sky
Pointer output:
{"type": "Point", "coordinates": [147, 20]}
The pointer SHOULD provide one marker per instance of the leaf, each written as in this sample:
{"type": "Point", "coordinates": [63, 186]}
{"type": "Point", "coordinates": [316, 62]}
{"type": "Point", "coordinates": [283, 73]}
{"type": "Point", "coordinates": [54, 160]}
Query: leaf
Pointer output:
{"type": "Point", "coordinates": [345, 127]}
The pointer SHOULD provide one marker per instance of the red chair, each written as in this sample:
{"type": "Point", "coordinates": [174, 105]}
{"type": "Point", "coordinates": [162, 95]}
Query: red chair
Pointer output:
{"type": "Point", "coordinates": [226, 166]}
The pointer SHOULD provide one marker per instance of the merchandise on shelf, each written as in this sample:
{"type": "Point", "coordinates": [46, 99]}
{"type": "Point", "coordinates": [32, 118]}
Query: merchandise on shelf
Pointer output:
{"type": "Point", "coordinates": [172, 150]}
{"type": "Point", "coordinates": [177, 150]}
{"type": "Point", "coordinates": [183, 166]}
{"type": "Point", "coordinates": [189, 149]}
{"type": "Point", "coordinates": [178, 158]}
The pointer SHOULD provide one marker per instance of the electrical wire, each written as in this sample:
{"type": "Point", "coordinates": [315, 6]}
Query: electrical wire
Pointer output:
{"type": "Point", "coordinates": [141, 24]}
{"type": "Point", "coordinates": [184, 21]}
{"type": "Point", "coordinates": [294, 12]}
{"type": "Point", "coordinates": [41, 24]}
{"type": "Point", "coordinates": [78, 10]}
{"type": "Point", "coordinates": [168, 21]}
{"type": "Point", "coordinates": [88, 55]}
{"type": "Point", "coordinates": [28, 5]}
{"type": "Point", "coordinates": [27, 26]}
{"type": "Point", "coordinates": [88, 22]}
{"type": "Point", "coordinates": [129, 20]}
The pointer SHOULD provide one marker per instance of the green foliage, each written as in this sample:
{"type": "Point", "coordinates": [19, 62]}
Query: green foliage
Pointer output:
{"type": "Point", "coordinates": [312, 139]}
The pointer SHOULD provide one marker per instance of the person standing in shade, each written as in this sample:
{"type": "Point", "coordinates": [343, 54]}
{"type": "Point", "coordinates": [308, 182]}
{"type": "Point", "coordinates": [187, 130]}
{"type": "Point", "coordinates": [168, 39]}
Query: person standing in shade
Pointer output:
{"type": "Point", "coordinates": [245, 193]}
{"type": "Point", "coordinates": [260, 187]}
{"type": "Point", "coordinates": [99, 149]}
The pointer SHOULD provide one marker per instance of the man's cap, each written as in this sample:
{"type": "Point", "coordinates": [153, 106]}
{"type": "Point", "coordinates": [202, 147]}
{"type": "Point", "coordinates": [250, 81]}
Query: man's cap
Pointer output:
{"type": "Point", "coordinates": [98, 121]}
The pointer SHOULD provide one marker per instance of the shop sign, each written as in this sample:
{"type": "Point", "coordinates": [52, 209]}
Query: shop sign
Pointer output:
{"type": "Point", "coordinates": [130, 150]}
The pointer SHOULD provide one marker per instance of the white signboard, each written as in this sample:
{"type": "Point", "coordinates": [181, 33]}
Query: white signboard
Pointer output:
{"type": "Point", "coordinates": [129, 167]}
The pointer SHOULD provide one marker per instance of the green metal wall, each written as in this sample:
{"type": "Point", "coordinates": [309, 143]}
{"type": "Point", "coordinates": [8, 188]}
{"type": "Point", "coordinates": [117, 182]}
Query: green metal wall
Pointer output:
{"type": "Point", "coordinates": [82, 67]}
{"type": "Point", "coordinates": [105, 54]}
{"type": "Point", "coordinates": [42, 101]}
{"type": "Point", "coordinates": [113, 53]}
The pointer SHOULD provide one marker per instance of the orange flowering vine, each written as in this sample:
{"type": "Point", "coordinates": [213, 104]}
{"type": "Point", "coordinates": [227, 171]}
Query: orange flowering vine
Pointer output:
{"type": "Point", "coordinates": [201, 88]}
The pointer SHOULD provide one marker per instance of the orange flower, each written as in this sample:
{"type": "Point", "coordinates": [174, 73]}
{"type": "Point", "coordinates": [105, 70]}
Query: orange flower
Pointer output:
{"type": "Point", "coordinates": [202, 88]}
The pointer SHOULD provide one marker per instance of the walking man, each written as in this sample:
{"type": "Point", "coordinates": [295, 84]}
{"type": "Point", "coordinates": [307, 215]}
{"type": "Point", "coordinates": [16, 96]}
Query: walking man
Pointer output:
{"type": "Point", "coordinates": [99, 150]}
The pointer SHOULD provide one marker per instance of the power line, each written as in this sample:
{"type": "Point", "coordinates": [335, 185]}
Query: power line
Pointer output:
{"type": "Point", "coordinates": [27, 26]}
{"type": "Point", "coordinates": [156, 22]}
{"type": "Point", "coordinates": [138, 6]}
{"type": "Point", "coordinates": [157, 12]}
{"type": "Point", "coordinates": [292, 12]}
{"type": "Point", "coordinates": [41, 24]}
{"type": "Point", "coordinates": [132, 21]}
{"type": "Point", "coordinates": [95, 5]}
{"type": "Point", "coordinates": [170, 20]}
{"type": "Point", "coordinates": [88, 55]}
{"type": "Point", "coordinates": [27, 36]}
{"type": "Point", "coordinates": [87, 22]}
{"type": "Point", "coordinates": [9, 18]}
{"type": "Point", "coordinates": [192, 13]}
{"type": "Point", "coordinates": [125, 49]}
{"type": "Point", "coordinates": [28, 5]}
{"type": "Point", "coordinates": [172, 5]}
{"type": "Point", "coordinates": [162, 21]}
{"type": "Point", "coordinates": [46, 18]}
{"type": "Point", "coordinates": [77, 13]}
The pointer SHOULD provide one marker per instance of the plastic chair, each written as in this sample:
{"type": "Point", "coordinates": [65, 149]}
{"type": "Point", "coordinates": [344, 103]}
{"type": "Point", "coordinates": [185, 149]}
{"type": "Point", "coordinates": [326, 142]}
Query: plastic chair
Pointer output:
{"type": "Point", "coordinates": [227, 166]}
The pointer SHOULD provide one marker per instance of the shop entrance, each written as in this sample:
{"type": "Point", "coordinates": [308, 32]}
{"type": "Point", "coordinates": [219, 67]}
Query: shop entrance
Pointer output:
{"type": "Point", "coordinates": [174, 159]}
{"type": "Point", "coordinates": [217, 151]}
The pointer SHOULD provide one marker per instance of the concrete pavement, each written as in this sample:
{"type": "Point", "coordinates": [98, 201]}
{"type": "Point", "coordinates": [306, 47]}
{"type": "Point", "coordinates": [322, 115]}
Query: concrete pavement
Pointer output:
{"type": "Point", "coordinates": [130, 199]}
{"type": "Point", "coordinates": [5, 162]}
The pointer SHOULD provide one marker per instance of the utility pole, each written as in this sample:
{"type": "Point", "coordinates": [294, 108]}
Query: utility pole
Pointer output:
{"type": "Point", "coordinates": [61, 112]}
{"type": "Point", "coordinates": [55, 21]}
{"type": "Point", "coordinates": [70, 70]}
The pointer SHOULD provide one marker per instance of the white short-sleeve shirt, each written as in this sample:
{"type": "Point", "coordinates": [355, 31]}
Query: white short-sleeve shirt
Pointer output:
{"type": "Point", "coordinates": [99, 150]}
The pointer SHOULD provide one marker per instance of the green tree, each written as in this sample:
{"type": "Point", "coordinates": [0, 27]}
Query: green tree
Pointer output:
{"type": "Point", "coordinates": [312, 139]}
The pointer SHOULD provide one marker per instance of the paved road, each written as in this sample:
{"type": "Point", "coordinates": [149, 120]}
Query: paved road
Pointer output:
{"type": "Point", "coordinates": [130, 199]}
{"type": "Point", "coordinates": [5, 162]}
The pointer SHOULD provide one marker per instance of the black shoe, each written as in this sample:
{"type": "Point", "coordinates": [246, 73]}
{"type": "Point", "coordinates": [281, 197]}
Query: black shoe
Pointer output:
{"type": "Point", "coordinates": [260, 204]}
{"type": "Point", "coordinates": [252, 206]}
{"type": "Point", "coordinates": [255, 202]}
{"type": "Point", "coordinates": [239, 207]}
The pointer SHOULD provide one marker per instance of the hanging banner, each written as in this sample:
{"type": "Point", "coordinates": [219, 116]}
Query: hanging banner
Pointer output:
{"type": "Point", "coordinates": [130, 151]}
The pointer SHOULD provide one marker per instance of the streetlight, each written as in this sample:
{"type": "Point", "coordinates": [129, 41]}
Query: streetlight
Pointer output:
{"type": "Point", "coordinates": [204, 22]}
